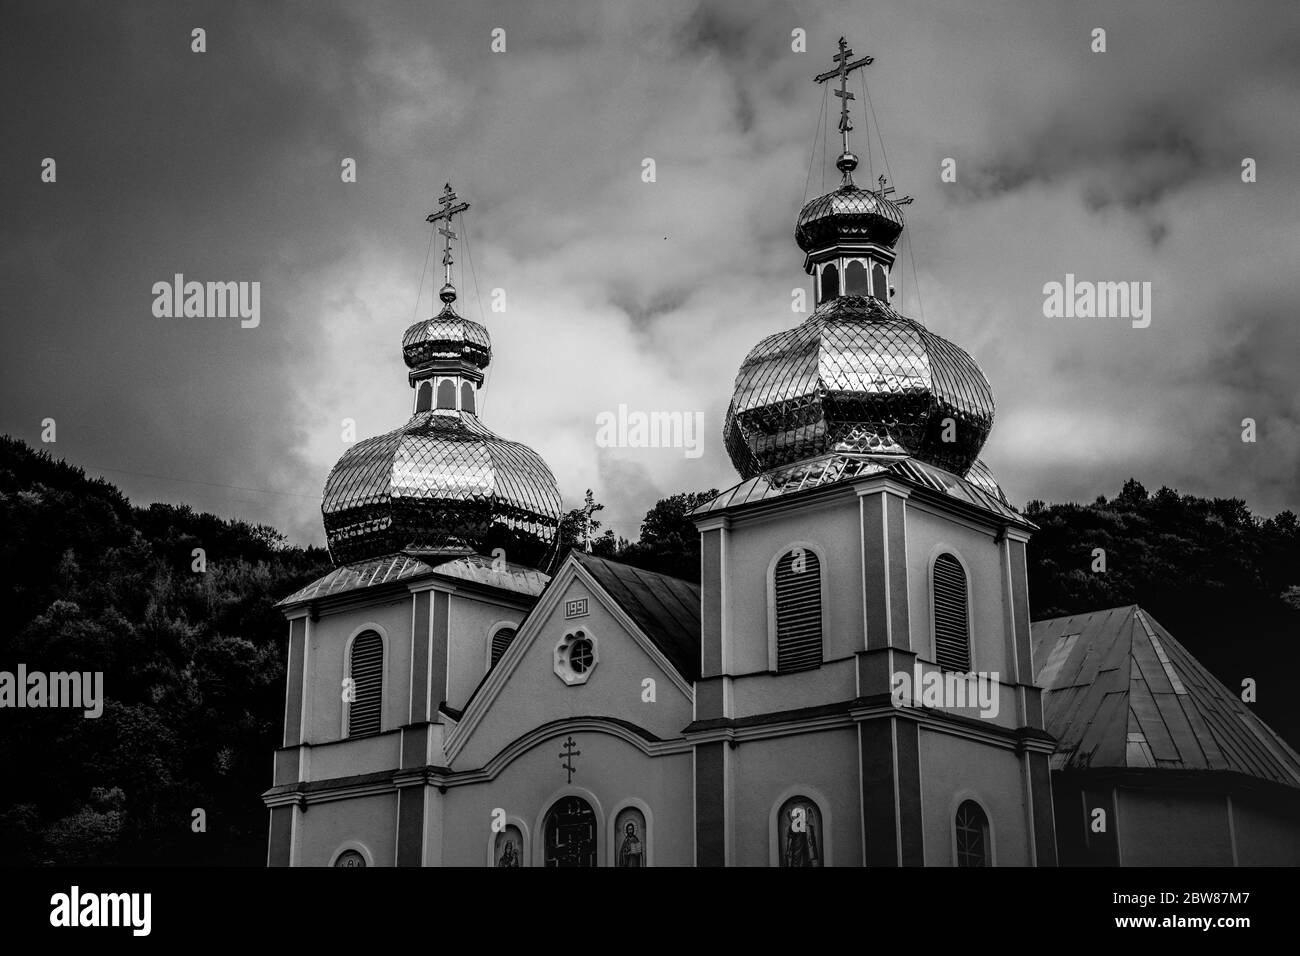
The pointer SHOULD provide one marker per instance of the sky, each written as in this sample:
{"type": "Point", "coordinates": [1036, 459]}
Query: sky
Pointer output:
{"type": "Point", "coordinates": [225, 165]}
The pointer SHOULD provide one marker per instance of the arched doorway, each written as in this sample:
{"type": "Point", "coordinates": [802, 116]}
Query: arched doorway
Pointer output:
{"type": "Point", "coordinates": [571, 833]}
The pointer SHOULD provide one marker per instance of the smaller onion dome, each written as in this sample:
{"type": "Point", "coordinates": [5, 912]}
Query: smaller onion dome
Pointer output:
{"type": "Point", "coordinates": [446, 337]}
{"type": "Point", "coordinates": [848, 213]}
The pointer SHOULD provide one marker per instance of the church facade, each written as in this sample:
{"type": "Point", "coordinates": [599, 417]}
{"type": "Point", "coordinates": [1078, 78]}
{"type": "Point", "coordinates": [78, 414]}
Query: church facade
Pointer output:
{"type": "Point", "coordinates": [852, 683]}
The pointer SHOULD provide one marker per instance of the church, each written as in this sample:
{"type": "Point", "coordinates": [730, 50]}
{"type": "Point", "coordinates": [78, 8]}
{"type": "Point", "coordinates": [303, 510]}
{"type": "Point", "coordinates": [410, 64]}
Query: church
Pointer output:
{"type": "Point", "coordinates": [852, 683]}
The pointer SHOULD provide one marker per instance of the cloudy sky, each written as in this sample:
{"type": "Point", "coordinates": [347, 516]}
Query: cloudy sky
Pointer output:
{"type": "Point", "coordinates": [225, 165]}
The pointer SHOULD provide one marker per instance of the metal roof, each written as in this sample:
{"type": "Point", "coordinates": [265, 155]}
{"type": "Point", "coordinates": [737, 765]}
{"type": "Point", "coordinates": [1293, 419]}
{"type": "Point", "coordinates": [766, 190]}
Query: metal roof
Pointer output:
{"type": "Point", "coordinates": [1120, 692]}
{"type": "Point", "coordinates": [977, 489]}
{"type": "Point", "coordinates": [404, 567]}
{"type": "Point", "coordinates": [666, 609]}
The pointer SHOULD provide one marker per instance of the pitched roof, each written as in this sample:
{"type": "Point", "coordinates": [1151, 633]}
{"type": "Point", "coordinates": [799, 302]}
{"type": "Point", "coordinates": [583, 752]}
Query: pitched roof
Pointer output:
{"type": "Point", "coordinates": [666, 609]}
{"type": "Point", "coordinates": [405, 567]}
{"type": "Point", "coordinates": [1120, 692]}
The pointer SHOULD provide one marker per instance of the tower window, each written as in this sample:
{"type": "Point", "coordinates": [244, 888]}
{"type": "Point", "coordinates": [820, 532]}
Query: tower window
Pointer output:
{"type": "Point", "coordinates": [830, 282]}
{"type": "Point", "coordinates": [951, 625]}
{"type": "Point", "coordinates": [446, 393]}
{"type": "Point", "coordinates": [500, 641]}
{"type": "Point", "coordinates": [881, 283]}
{"type": "Point", "coordinates": [972, 826]}
{"type": "Point", "coordinates": [797, 587]}
{"type": "Point", "coordinates": [366, 671]}
{"type": "Point", "coordinates": [467, 397]}
{"type": "Point", "coordinates": [856, 280]}
{"type": "Point", "coordinates": [424, 397]}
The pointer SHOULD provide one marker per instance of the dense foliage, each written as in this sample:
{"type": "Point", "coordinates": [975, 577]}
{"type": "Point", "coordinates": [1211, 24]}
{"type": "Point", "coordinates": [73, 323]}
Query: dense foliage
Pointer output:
{"type": "Point", "coordinates": [194, 662]}
{"type": "Point", "coordinates": [193, 669]}
{"type": "Point", "coordinates": [1224, 582]}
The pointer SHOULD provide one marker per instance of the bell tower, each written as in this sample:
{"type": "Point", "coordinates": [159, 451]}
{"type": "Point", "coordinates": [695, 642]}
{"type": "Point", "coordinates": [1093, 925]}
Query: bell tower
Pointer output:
{"type": "Point", "coordinates": [866, 558]}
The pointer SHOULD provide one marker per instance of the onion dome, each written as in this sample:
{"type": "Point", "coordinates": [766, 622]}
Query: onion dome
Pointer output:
{"type": "Point", "coordinates": [442, 485]}
{"type": "Point", "coordinates": [858, 376]}
{"type": "Point", "coordinates": [446, 337]}
{"type": "Point", "coordinates": [851, 214]}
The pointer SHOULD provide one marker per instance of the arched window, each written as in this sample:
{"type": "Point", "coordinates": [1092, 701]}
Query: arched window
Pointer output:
{"type": "Point", "coordinates": [799, 830]}
{"type": "Point", "coordinates": [880, 282]}
{"type": "Point", "coordinates": [797, 586]}
{"type": "Point", "coordinates": [366, 671]}
{"type": "Point", "coordinates": [856, 281]}
{"type": "Point", "coordinates": [951, 626]}
{"type": "Point", "coordinates": [500, 641]}
{"type": "Point", "coordinates": [446, 393]}
{"type": "Point", "coordinates": [830, 282]}
{"type": "Point", "coordinates": [972, 826]}
{"type": "Point", "coordinates": [571, 833]}
{"type": "Point", "coordinates": [466, 397]}
{"type": "Point", "coordinates": [424, 397]}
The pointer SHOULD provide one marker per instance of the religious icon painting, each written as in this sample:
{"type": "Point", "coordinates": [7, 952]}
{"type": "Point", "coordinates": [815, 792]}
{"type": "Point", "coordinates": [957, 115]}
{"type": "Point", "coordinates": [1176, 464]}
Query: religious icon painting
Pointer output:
{"type": "Point", "coordinates": [630, 838]}
{"type": "Point", "coordinates": [799, 829]}
{"type": "Point", "coordinates": [509, 849]}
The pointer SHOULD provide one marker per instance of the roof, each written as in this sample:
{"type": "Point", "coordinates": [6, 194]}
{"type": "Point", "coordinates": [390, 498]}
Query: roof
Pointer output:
{"type": "Point", "coordinates": [404, 567]}
{"type": "Point", "coordinates": [1120, 692]}
{"type": "Point", "coordinates": [666, 609]}
{"type": "Point", "coordinates": [976, 490]}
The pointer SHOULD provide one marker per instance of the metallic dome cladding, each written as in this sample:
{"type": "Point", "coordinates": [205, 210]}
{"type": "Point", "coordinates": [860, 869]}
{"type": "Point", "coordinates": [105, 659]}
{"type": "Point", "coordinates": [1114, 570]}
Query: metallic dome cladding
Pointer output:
{"type": "Point", "coordinates": [848, 213]}
{"type": "Point", "coordinates": [446, 337]}
{"type": "Point", "coordinates": [441, 484]}
{"type": "Point", "coordinates": [857, 376]}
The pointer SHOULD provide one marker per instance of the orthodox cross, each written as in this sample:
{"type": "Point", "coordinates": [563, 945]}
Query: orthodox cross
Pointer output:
{"type": "Point", "coordinates": [449, 208]}
{"type": "Point", "coordinates": [566, 758]}
{"type": "Point", "coordinates": [846, 66]}
{"type": "Point", "coordinates": [882, 191]}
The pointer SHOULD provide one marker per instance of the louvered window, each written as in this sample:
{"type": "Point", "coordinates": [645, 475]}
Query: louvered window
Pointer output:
{"type": "Point", "coordinates": [500, 641]}
{"type": "Point", "coordinates": [951, 627]}
{"type": "Point", "coordinates": [798, 586]}
{"type": "Point", "coordinates": [367, 673]}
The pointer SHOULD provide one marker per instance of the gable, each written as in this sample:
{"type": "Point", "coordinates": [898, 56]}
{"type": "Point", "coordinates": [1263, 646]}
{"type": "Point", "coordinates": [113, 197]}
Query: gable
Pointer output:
{"type": "Point", "coordinates": [524, 692]}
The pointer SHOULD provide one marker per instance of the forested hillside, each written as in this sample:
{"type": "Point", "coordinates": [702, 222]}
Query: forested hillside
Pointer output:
{"type": "Point", "coordinates": [193, 671]}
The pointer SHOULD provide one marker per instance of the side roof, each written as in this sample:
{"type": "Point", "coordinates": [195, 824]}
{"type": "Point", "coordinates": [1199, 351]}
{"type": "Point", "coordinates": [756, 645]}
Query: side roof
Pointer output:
{"type": "Point", "coordinates": [1121, 692]}
{"type": "Point", "coordinates": [667, 609]}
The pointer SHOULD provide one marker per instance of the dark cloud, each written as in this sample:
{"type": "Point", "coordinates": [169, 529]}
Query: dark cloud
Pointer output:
{"type": "Point", "coordinates": [225, 166]}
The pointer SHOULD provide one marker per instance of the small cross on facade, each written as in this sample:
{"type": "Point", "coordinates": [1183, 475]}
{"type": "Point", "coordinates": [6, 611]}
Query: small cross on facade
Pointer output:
{"type": "Point", "coordinates": [566, 758]}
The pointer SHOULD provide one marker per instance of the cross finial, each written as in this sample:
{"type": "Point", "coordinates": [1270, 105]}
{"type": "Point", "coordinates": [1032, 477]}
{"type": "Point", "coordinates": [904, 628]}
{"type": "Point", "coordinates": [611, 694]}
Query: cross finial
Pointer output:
{"type": "Point", "coordinates": [847, 161]}
{"type": "Point", "coordinates": [882, 191]}
{"type": "Point", "coordinates": [449, 208]}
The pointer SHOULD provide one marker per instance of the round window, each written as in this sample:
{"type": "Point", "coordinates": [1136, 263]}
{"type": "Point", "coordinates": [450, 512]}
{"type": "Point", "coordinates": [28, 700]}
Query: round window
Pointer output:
{"type": "Point", "coordinates": [580, 655]}
{"type": "Point", "coordinates": [350, 858]}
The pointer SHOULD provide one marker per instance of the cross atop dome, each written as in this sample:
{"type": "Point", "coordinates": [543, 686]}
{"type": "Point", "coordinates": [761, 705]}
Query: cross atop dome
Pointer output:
{"type": "Point", "coordinates": [847, 161]}
{"type": "Point", "coordinates": [449, 208]}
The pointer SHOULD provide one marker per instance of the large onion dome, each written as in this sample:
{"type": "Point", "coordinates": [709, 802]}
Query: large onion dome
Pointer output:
{"type": "Point", "coordinates": [441, 484]}
{"type": "Point", "coordinates": [857, 376]}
